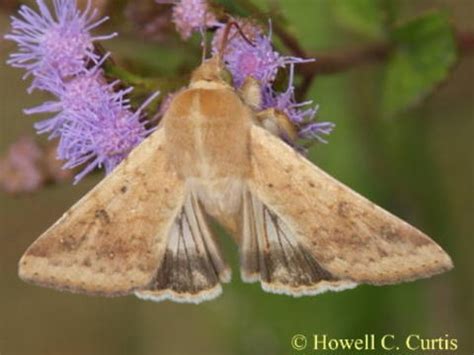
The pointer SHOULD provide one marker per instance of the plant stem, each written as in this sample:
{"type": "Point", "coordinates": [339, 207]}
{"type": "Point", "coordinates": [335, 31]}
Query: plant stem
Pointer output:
{"type": "Point", "coordinates": [346, 59]}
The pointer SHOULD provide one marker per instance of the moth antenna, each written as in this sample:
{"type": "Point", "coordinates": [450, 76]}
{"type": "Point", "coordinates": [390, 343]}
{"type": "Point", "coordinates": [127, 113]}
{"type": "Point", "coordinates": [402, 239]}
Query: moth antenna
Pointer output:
{"type": "Point", "coordinates": [226, 38]}
{"type": "Point", "coordinates": [203, 43]}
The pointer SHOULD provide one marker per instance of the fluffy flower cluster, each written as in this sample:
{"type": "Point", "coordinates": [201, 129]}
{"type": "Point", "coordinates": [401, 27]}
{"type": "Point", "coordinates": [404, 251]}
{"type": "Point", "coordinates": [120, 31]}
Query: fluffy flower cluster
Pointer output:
{"type": "Point", "coordinates": [28, 166]}
{"type": "Point", "coordinates": [255, 57]}
{"type": "Point", "coordinates": [93, 121]}
{"type": "Point", "coordinates": [58, 43]}
{"type": "Point", "coordinates": [190, 16]}
{"type": "Point", "coordinates": [19, 169]}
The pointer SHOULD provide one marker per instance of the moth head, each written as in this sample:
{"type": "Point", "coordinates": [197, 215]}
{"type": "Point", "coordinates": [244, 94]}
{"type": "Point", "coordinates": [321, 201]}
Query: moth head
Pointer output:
{"type": "Point", "coordinates": [212, 70]}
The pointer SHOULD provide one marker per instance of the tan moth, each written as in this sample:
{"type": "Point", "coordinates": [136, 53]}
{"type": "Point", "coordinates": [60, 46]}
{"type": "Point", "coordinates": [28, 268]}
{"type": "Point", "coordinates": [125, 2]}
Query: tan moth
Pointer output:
{"type": "Point", "coordinates": [144, 229]}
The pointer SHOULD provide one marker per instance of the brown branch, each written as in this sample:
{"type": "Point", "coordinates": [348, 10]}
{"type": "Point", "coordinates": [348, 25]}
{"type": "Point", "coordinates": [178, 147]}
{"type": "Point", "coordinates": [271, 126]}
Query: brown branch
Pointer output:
{"type": "Point", "coordinates": [465, 40]}
{"type": "Point", "coordinates": [9, 5]}
{"type": "Point", "coordinates": [343, 60]}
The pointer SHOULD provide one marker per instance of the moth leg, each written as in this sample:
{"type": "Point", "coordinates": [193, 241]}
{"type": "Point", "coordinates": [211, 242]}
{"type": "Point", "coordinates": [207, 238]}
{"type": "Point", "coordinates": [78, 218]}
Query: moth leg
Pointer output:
{"type": "Point", "coordinates": [273, 120]}
{"type": "Point", "coordinates": [271, 254]}
{"type": "Point", "coordinates": [251, 93]}
{"type": "Point", "coordinates": [192, 267]}
{"type": "Point", "coordinates": [277, 123]}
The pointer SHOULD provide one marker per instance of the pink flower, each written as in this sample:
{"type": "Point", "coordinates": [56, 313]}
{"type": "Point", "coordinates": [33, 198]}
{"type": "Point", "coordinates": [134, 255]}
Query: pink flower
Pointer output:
{"type": "Point", "coordinates": [190, 16]}
{"type": "Point", "coordinates": [20, 168]}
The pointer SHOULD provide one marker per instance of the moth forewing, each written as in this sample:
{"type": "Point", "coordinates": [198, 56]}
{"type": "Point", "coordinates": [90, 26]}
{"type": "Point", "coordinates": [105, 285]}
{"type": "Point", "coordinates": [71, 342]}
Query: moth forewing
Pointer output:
{"type": "Point", "coordinates": [112, 241]}
{"type": "Point", "coordinates": [350, 237]}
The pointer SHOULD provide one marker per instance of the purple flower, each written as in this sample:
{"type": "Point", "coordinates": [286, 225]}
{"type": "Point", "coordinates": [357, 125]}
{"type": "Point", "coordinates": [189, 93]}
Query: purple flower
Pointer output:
{"type": "Point", "coordinates": [101, 137]}
{"type": "Point", "coordinates": [299, 113]}
{"type": "Point", "coordinates": [93, 121]}
{"type": "Point", "coordinates": [85, 92]}
{"type": "Point", "coordinates": [190, 16]}
{"type": "Point", "coordinates": [59, 42]}
{"type": "Point", "coordinates": [258, 60]}
{"type": "Point", "coordinates": [315, 130]}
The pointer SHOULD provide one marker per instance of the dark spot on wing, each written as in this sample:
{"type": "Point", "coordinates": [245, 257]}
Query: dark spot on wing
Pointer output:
{"type": "Point", "coordinates": [382, 252]}
{"type": "Point", "coordinates": [39, 250]}
{"type": "Point", "coordinates": [71, 242]}
{"type": "Point", "coordinates": [389, 233]}
{"type": "Point", "coordinates": [86, 262]}
{"type": "Point", "coordinates": [102, 216]}
{"type": "Point", "coordinates": [344, 209]}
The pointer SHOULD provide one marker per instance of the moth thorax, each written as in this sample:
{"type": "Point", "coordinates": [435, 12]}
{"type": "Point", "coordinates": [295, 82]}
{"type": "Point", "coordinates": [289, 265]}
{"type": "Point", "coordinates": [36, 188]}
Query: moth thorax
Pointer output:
{"type": "Point", "coordinates": [211, 71]}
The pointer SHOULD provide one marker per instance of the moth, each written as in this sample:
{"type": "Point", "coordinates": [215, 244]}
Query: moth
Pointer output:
{"type": "Point", "coordinates": [144, 229]}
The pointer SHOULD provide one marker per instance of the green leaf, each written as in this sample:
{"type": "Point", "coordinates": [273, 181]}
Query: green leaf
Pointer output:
{"type": "Point", "coordinates": [365, 17]}
{"type": "Point", "coordinates": [424, 53]}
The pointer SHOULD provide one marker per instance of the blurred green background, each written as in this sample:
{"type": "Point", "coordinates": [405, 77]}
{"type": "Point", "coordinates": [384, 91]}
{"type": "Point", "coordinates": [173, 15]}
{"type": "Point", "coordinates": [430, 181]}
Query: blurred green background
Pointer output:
{"type": "Point", "coordinates": [411, 156]}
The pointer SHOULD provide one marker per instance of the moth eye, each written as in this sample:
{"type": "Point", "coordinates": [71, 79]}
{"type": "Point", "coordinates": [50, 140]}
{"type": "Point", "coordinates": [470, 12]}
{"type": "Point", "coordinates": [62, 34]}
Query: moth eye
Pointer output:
{"type": "Point", "coordinates": [226, 76]}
